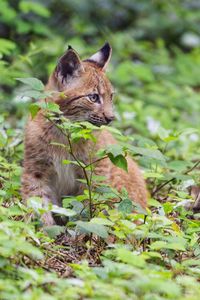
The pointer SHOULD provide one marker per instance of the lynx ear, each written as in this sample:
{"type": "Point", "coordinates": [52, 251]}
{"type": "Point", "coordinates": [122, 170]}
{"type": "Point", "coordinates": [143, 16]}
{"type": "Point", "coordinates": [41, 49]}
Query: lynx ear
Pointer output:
{"type": "Point", "coordinates": [69, 65]}
{"type": "Point", "coordinates": [102, 57]}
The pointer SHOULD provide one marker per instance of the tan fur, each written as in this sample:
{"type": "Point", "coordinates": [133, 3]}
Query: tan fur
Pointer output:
{"type": "Point", "coordinates": [44, 174]}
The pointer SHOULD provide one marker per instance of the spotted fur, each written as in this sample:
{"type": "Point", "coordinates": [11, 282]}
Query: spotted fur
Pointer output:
{"type": "Point", "coordinates": [44, 175]}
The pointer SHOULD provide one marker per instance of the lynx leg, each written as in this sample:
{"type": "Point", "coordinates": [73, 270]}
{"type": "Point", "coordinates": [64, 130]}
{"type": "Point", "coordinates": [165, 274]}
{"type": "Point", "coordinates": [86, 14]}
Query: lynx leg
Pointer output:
{"type": "Point", "coordinates": [34, 187]}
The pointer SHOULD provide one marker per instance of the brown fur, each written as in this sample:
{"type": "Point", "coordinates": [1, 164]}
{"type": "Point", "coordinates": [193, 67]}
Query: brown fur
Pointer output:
{"type": "Point", "coordinates": [44, 174]}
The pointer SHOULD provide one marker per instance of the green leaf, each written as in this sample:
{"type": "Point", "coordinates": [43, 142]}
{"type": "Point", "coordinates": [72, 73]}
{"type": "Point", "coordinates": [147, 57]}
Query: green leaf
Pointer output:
{"type": "Point", "coordinates": [35, 7]}
{"type": "Point", "coordinates": [6, 46]}
{"type": "Point", "coordinates": [119, 161]}
{"type": "Point", "coordinates": [127, 256]}
{"type": "Point", "coordinates": [54, 231]}
{"type": "Point", "coordinates": [77, 206]}
{"type": "Point", "coordinates": [35, 203]}
{"type": "Point", "coordinates": [53, 107]}
{"type": "Point", "coordinates": [103, 189]}
{"type": "Point", "coordinates": [189, 131]}
{"type": "Point", "coordinates": [66, 162]}
{"type": "Point", "coordinates": [102, 221]}
{"type": "Point", "coordinates": [152, 153]}
{"type": "Point", "coordinates": [89, 227]}
{"type": "Point", "coordinates": [179, 165]}
{"type": "Point", "coordinates": [154, 203]}
{"type": "Point", "coordinates": [34, 83]}
{"type": "Point", "coordinates": [34, 108]}
{"type": "Point", "coordinates": [166, 245]}
{"type": "Point", "coordinates": [126, 206]}
{"type": "Point", "coordinates": [115, 150]}
{"type": "Point", "coordinates": [153, 175]}
{"type": "Point", "coordinates": [63, 211]}
{"type": "Point", "coordinates": [152, 254]}
{"type": "Point", "coordinates": [33, 94]}
{"type": "Point", "coordinates": [112, 130]}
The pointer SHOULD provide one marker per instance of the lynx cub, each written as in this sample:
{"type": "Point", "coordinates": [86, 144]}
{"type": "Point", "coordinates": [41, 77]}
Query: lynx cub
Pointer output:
{"type": "Point", "coordinates": [88, 98]}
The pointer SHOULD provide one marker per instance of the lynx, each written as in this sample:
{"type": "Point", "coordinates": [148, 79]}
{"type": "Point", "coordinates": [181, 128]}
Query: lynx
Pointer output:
{"type": "Point", "coordinates": [88, 97]}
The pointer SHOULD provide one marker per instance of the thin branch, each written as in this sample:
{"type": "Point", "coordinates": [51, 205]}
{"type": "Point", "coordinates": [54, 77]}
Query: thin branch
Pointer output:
{"type": "Point", "coordinates": [162, 185]}
{"type": "Point", "coordinates": [95, 161]}
{"type": "Point", "coordinates": [172, 179]}
{"type": "Point", "coordinates": [192, 168]}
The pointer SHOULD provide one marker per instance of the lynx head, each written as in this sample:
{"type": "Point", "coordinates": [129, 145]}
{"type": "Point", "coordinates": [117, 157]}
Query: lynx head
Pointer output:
{"type": "Point", "coordinates": [86, 93]}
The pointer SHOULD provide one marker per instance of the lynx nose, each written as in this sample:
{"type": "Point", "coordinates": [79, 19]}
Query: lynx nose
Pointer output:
{"type": "Point", "coordinates": [109, 119]}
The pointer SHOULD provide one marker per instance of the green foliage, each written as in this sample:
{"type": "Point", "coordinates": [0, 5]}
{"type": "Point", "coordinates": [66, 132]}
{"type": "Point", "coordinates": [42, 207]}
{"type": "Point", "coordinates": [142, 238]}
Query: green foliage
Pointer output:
{"type": "Point", "coordinates": [153, 254]}
{"type": "Point", "coordinates": [34, 83]}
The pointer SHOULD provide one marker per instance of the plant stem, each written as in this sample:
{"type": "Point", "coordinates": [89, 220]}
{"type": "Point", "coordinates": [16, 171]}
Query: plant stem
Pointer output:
{"type": "Point", "coordinates": [172, 179]}
{"type": "Point", "coordinates": [83, 167]}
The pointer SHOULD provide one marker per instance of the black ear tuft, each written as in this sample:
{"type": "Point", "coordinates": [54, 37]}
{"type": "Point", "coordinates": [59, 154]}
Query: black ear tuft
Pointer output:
{"type": "Point", "coordinates": [69, 64]}
{"type": "Point", "coordinates": [106, 51]}
{"type": "Point", "coordinates": [102, 57]}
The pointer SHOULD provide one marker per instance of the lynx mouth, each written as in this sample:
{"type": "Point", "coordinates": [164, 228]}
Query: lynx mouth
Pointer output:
{"type": "Point", "coordinates": [98, 124]}
{"type": "Point", "coordinates": [98, 121]}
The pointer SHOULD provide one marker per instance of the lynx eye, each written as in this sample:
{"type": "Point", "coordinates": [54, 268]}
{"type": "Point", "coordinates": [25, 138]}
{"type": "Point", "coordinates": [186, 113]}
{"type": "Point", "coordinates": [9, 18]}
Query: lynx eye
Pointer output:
{"type": "Point", "coordinates": [94, 97]}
